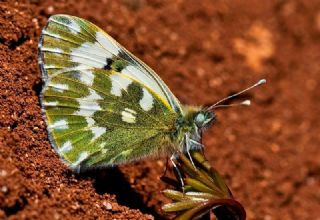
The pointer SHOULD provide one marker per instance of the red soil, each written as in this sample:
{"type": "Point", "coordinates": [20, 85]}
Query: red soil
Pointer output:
{"type": "Point", "coordinates": [268, 153]}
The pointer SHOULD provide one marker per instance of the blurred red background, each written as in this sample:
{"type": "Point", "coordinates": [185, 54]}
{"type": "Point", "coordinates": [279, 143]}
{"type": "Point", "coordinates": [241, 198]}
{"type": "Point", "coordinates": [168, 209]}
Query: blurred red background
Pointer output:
{"type": "Point", "coordinates": [204, 50]}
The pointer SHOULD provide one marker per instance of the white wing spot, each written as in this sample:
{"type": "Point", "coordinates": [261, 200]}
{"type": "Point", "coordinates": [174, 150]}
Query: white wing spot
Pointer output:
{"type": "Point", "coordinates": [81, 158]}
{"type": "Point", "coordinates": [74, 27]}
{"type": "Point", "coordinates": [95, 50]}
{"type": "Point", "coordinates": [66, 147]}
{"type": "Point", "coordinates": [132, 71]}
{"type": "Point", "coordinates": [61, 124]}
{"type": "Point", "coordinates": [108, 44]}
{"type": "Point", "coordinates": [87, 108]}
{"type": "Point", "coordinates": [97, 132]}
{"type": "Point", "coordinates": [87, 77]}
{"type": "Point", "coordinates": [58, 51]}
{"type": "Point", "coordinates": [119, 83]}
{"type": "Point", "coordinates": [128, 116]}
{"type": "Point", "coordinates": [146, 102]}
{"type": "Point", "coordinates": [145, 77]}
{"type": "Point", "coordinates": [51, 103]}
{"type": "Point", "coordinates": [88, 105]}
{"type": "Point", "coordinates": [50, 66]}
{"type": "Point", "coordinates": [59, 87]}
{"type": "Point", "coordinates": [90, 121]}
{"type": "Point", "coordinates": [93, 95]}
{"type": "Point", "coordinates": [90, 55]}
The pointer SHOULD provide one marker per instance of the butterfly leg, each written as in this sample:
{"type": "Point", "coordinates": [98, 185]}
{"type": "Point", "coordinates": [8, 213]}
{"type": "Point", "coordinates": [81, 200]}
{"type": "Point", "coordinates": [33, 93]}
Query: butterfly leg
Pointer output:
{"type": "Point", "coordinates": [177, 171]}
{"type": "Point", "coordinates": [188, 149]}
{"type": "Point", "coordinates": [201, 146]}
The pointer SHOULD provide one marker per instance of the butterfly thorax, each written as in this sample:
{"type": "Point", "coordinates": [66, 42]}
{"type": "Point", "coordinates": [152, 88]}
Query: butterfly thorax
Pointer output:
{"type": "Point", "coordinates": [190, 126]}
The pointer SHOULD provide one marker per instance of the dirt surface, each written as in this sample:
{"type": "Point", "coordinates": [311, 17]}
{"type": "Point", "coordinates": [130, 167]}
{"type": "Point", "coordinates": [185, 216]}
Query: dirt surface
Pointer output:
{"type": "Point", "coordinates": [268, 153]}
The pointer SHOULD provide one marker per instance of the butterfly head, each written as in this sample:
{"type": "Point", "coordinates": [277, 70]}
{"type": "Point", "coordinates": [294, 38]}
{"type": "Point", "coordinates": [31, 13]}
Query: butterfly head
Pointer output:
{"type": "Point", "coordinates": [204, 119]}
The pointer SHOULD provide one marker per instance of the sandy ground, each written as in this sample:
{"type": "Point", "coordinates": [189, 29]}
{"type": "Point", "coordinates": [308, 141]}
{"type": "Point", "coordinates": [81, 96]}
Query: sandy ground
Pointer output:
{"type": "Point", "coordinates": [269, 153]}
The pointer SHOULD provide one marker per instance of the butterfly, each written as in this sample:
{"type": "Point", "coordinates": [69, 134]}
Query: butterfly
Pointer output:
{"type": "Point", "coordinates": [103, 106]}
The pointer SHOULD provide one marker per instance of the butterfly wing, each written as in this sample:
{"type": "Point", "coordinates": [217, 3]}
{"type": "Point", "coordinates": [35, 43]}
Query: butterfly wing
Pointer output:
{"type": "Point", "coordinates": [102, 106]}
{"type": "Point", "coordinates": [87, 46]}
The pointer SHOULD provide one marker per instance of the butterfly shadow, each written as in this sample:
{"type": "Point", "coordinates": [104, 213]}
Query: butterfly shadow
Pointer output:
{"type": "Point", "coordinates": [113, 181]}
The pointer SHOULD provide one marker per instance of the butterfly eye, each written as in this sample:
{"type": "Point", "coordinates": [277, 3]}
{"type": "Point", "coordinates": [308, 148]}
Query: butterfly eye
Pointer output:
{"type": "Point", "coordinates": [199, 119]}
{"type": "Point", "coordinates": [203, 119]}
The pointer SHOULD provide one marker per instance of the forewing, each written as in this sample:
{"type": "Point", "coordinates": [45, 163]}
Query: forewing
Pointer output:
{"type": "Point", "coordinates": [84, 46]}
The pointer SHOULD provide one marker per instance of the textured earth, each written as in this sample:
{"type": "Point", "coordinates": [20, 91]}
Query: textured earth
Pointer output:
{"type": "Point", "coordinates": [204, 50]}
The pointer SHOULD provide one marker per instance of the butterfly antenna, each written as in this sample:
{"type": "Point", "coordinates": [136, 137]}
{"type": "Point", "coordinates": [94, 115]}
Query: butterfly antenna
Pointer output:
{"type": "Point", "coordinates": [246, 102]}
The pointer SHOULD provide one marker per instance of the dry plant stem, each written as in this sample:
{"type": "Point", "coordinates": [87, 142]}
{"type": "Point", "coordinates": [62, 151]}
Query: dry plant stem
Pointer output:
{"type": "Point", "coordinates": [204, 191]}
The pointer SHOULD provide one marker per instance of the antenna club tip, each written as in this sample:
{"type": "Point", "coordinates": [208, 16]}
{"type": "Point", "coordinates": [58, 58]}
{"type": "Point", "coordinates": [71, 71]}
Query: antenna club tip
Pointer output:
{"type": "Point", "coordinates": [262, 81]}
{"type": "Point", "coordinates": [246, 102]}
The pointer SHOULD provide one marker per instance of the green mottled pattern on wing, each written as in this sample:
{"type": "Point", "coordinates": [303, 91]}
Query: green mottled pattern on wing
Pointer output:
{"type": "Point", "coordinates": [90, 119]}
{"type": "Point", "coordinates": [98, 112]}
